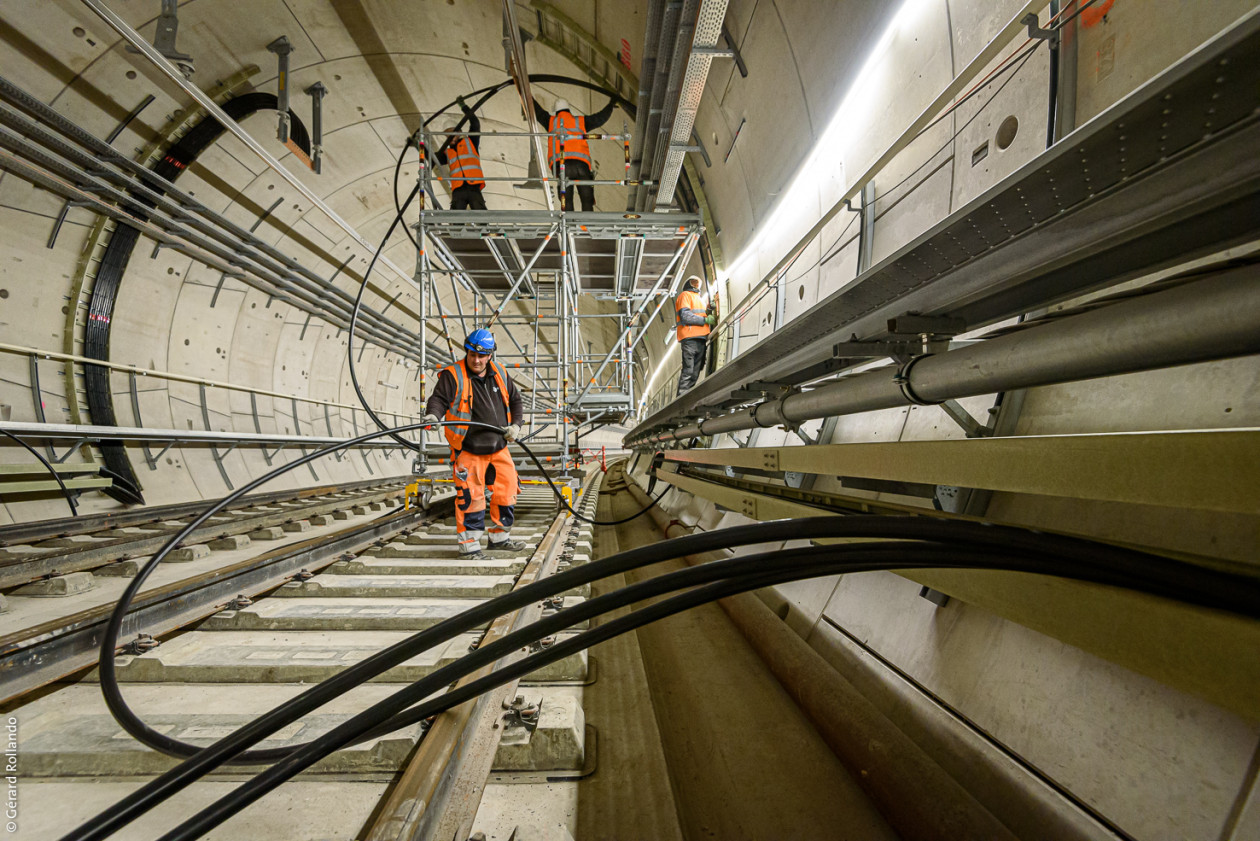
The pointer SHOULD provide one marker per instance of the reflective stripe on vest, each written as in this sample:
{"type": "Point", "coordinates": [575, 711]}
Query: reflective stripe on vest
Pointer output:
{"type": "Point", "coordinates": [461, 408]}
{"type": "Point", "coordinates": [572, 131]}
{"type": "Point", "coordinates": [465, 164]}
{"type": "Point", "coordinates": [691, 301]}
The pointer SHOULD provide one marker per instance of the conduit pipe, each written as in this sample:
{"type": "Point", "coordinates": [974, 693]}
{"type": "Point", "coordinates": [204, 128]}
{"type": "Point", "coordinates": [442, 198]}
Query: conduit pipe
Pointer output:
{"type": "Point", "coordinates": [1217, 317]}
{"type": "Point", "coordinates": [939, 787]}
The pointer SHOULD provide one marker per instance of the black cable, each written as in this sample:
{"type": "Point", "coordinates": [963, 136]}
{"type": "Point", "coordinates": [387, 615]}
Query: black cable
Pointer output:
{"type": "Point", "coordinates": [1141, 567]}
{"type": "Point", "coordinates": [110, 688]}
{"type": "Point", "coordinates": [740, 574]}
{"type": "Point", "coordinates": [354, 318]}
{"type": "Point", "coordinates": [74, 509]}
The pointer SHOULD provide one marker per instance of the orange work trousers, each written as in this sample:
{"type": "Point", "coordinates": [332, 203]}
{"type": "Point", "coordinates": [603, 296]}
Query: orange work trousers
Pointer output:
{"type": "Point", "coordinates": [471, 472]}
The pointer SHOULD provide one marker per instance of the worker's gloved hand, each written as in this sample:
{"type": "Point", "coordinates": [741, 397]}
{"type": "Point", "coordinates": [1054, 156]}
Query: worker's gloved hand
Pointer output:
{"type": "Point", "coordinates": [710, 320]}
{"type": "Point", "coordinates": [463, 106]}
{"type": "Point", "coordinates": [512, 432]}
{"type": "Point", "coordinates": [430, 419]}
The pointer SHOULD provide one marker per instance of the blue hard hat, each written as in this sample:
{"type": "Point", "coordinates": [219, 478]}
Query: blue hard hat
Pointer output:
{"type": "Point", "coordinates": [480, 340]}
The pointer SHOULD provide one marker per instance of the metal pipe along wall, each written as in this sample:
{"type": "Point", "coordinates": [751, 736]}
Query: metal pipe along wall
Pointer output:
{"type": "Point", "coordinates": [1216, 317]}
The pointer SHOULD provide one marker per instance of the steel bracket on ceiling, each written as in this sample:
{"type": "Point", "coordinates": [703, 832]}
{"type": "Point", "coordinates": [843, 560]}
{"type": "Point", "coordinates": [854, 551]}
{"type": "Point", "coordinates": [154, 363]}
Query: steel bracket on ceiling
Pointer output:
{"type": "Point", "coordinates": [317, 92]}
{"type": "Point", "coordinates": [282, 48]}
{"type": "Point", "coordinates": [164, 39]}
{"type": "Point", "coordinates": [1036, 33]}
{"type": "Point", "coordinates": [912, 324]}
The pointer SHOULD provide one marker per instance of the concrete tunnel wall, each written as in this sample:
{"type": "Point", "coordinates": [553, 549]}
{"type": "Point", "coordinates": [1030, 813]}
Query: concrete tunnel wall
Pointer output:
{"type": "Point", "coordinates": [1159, 761]}
{"type": "Point", "coordinates": [382, 77]}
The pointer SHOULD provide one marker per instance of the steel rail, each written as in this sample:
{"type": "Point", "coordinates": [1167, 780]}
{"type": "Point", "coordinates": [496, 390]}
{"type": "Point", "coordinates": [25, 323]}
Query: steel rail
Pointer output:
{"type": "Point", "coordinates": [33, 566]}
{"type": "Point", "coordinates": [36, 656]}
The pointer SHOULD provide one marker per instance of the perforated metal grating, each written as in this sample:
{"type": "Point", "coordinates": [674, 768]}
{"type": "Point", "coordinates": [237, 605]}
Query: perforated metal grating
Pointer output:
{"type": "Point", "coordinates": [1168, 173]}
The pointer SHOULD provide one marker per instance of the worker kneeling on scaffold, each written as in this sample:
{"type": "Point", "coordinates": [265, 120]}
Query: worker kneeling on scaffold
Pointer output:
{"type": "Point", "coordinates": [476, 388]}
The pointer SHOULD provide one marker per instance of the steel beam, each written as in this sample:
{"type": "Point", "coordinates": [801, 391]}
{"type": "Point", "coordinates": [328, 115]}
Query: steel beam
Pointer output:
{"type": "Point", "coordinates": [1215, 470]}
{"type": "Point", "coordinates": [1214, 318]}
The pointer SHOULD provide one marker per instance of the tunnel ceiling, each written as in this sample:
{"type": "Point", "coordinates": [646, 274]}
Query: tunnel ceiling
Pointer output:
{"type": "Point", "coordinates": [387, 65]}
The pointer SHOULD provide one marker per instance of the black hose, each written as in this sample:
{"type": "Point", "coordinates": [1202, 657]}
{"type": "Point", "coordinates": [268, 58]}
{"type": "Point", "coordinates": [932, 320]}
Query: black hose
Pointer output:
{"type": "Point", "coordinates": [1179, 580]}
{"type": "Point", "coordinates": [74, 509]}
{"type": "Point", "coordinates": [354, 318]}
{"type": "Point", "coordinates": [730, 577]}
{"type": "Point", "coordinates": [110, 688]}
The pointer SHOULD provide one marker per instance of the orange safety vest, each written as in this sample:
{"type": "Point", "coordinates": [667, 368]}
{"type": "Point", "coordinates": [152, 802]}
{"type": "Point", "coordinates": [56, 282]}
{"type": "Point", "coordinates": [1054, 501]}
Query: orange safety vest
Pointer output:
{"type": "Point", "coordinates": [690, 301]}
{"type": "Point", "coordinates": [568, 139]}
{"type": "Point", "coordinates": [465, 165]}
{"type": "Point", "coordinates": [461, 407]}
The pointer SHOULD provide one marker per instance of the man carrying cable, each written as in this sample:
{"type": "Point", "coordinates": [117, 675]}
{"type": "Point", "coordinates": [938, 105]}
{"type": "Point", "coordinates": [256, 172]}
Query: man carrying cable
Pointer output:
{"type": "Point", "coordinates": [462, 155]}
{"type": "Point", "coordinates": [567, 147]}
{"type": "Point", "coordinates": [692, 320]}
{"type": "Point", "coordinates": [478, 389]}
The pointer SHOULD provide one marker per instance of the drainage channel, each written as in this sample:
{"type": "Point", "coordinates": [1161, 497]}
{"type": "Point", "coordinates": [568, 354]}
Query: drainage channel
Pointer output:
{"type": "Point", "coordinates": [198, 685]}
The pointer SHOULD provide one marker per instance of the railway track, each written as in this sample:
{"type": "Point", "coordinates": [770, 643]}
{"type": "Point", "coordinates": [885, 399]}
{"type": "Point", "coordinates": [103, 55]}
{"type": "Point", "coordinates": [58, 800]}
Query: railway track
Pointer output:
{"type": "Point", "coordinates": [31, 552]}
{"type": "Point", "coordinates": [237, 640]}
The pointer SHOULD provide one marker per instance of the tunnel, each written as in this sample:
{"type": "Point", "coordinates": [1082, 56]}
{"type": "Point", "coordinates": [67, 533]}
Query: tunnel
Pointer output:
{"type": "Point", "coordinates": [546, 420]}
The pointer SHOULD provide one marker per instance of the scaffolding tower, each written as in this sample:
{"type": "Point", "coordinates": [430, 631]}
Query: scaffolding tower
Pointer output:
{"type": "Point", "coordinates": [574, 293]}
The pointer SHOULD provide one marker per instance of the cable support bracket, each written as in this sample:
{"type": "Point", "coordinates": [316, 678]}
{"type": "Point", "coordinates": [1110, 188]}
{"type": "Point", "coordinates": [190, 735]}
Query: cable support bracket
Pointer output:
{"type": "Point", "coordinates": [902, 380]}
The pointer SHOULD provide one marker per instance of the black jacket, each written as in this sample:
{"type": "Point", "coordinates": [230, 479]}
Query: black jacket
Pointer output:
{"type": "Point", "coordinates": [487, 408]}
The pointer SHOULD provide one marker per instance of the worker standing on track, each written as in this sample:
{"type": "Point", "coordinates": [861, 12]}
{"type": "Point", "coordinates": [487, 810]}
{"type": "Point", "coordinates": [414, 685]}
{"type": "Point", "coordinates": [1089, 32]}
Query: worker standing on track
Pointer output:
{"type": "Point", "coordinates": [478, 389]}
{"type": "Point", "coordinates": [568, 145]}
{"type": "Point", "coordinates": [462, 155]}
{"type": "Point", "coordinates": [692, 321]}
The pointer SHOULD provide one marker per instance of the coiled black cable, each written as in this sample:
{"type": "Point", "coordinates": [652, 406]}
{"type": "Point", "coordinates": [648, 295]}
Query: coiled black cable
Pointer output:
{"type": "Point", "coordinates": [1138, 570]}
{"type": "Point", "coordinates": [110, 688]}
{"type": "Point", "coordinates": [975, 546]}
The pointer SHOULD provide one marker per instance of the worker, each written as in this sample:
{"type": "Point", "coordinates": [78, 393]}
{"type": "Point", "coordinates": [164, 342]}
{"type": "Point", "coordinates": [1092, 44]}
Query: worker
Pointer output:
{"type": "Point", "coordinates": [461, 153]}
{"type": "Point", "coordinates": [568, 146]}
{"type": "Point", "coordinates": [693, 319]}
{"type": "Point", "coordinates": [477, 388]}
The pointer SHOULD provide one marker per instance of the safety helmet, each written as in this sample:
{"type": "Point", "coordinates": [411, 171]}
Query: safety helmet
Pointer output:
{"type": "Point", "coordinates": [693, 282]}
{"type": "Point", "coordinates": [480, 340]}
{"type": "Point", "coordinates": [563, 105]}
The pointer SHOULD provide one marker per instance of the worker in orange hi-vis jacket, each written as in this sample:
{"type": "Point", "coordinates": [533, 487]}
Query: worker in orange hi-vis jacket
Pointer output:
{"type": "Point", "coordinates": [461, 153]}
{"type": "Point", "coordinates": [567, 147]}
{"type": "Point", "coordinates": [478, 389]}
{"type": "Point", "coordinates": [693, 319]}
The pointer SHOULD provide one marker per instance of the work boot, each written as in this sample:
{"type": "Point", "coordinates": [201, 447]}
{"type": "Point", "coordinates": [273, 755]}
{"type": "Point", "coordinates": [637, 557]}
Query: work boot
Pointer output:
{"type": "Point", "coordinates": [477, 555]}
{"type": "Point", "coordinates": [507, 546]}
